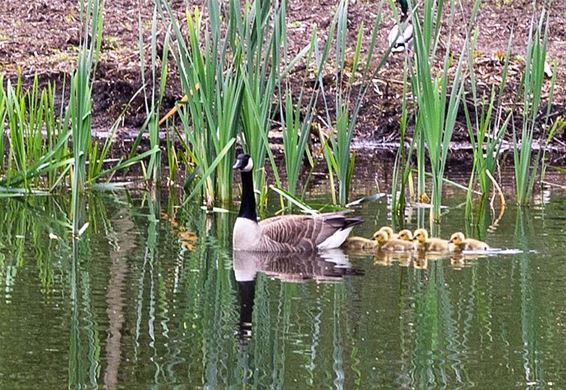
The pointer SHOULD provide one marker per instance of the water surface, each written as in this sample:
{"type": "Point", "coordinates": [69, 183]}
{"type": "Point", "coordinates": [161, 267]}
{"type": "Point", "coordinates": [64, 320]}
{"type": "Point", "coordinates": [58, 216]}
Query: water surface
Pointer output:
{"type": "Point", "coordinates": [152, 294]}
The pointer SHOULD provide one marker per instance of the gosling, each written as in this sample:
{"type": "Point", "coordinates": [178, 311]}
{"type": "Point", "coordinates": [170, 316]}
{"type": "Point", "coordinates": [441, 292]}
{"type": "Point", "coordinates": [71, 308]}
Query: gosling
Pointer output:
{"type": "Point", "coordinates": [387, 244]}
{"type": "Point", "coordinates": [430, 245]}
{"type": "Point", "coordinates": [389, 231]}
{"type": "Point", "coordinates": [406, 235]}
{"type": "Point", "coordinates": [461, 243]}
{"type": "Point", "coordinates": [358, 244]}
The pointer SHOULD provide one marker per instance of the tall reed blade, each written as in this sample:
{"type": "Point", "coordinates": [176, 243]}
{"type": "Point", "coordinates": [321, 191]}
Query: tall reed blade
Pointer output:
{"type": "Point", "coordinates": [208, 67]}
{"type": "Point", "coordinates": [526, 164]}
{"type": "Point", "coordinates": [154, 90]}
{"type": "Point", "coordinates": [347, 100]}
{"type": "Point", "coordinates": [437, 97]}
{"type": "Point", "coordinates": [80, 98]}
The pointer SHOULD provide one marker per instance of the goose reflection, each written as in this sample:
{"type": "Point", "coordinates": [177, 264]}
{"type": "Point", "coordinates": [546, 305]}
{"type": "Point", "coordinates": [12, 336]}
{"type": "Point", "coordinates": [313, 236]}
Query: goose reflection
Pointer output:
{"type": "Point", "coordinates": [327, 266]}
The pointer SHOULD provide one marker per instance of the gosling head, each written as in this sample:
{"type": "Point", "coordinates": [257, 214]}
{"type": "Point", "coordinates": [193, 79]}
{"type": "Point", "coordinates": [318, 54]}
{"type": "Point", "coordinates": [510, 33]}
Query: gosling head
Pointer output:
{"type": "Point", "coordinates": [380, 237]}
{"type": "Point", "coordinates": [406, 235]}
{"type": "Point", "coordinates": [244, 163]}
{"type": "Point", "coordinates": [457, 238]}
{"type": "Point", "coordinates": [421, 235]}
{"type": "Point", "coordinates": [389, 231]}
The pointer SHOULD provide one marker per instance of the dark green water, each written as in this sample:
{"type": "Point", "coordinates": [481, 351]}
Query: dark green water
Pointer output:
{"type": "Point", "coordinates": [131, 305]}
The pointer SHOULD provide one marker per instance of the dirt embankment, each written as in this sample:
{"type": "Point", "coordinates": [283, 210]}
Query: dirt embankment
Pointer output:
{"type": "Point", "coordinates": [42, 37]}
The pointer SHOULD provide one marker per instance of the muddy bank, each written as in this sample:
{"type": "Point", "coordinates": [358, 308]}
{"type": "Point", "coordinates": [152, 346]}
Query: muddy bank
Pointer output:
{"type": "Point", "coordinates": [43, 38]}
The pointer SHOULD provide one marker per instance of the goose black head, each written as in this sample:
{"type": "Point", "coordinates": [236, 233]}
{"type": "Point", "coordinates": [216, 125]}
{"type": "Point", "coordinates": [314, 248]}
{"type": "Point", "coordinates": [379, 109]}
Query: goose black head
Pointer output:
{"type": "Point", "coordinates": [244, 163]}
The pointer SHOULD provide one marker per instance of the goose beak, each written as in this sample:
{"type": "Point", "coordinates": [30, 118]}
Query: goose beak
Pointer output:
{"type": "Point", "coordinates": [239, 164]}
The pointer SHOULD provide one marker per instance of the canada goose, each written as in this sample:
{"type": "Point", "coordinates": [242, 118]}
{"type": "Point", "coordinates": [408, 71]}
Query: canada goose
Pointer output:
{"type": "Point", "coordinates": [426, 244]}
{"type": "Point", "coordinates": [461, 243]}
{"type": "Point", "coordinates": [358, 243]}
{"type": "Point", "coordinates": [387, 244]}
{"type": "Point", "coordinates": [401, 35]}
{"type": "Point", "coordinates": [287, 233]}
{"type": "Point", "coordinates": [406, 235]}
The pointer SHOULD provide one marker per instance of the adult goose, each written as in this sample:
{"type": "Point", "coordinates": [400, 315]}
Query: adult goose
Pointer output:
{"type": "Point", "coordinates": [288, 233]}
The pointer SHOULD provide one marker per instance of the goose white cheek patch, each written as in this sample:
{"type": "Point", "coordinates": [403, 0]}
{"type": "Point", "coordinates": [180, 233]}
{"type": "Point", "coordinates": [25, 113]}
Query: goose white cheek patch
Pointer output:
{"type": "Point", "coordinates": [249, 166]}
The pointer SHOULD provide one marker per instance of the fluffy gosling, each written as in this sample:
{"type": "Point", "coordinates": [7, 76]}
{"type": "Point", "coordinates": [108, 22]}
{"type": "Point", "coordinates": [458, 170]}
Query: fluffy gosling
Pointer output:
{"type": "Point", "coordinates": [390, 232]}
{"type": "Point", "coordinates": [430, 245]}
{"type": "Point", "coordinates": [358, 243]}
{"type": "Point", "coordinates": [461, 243]}
{"type": "Point", "coordinates": [385, 243]}
{"type": "Point", "coordinates": [406, 235]}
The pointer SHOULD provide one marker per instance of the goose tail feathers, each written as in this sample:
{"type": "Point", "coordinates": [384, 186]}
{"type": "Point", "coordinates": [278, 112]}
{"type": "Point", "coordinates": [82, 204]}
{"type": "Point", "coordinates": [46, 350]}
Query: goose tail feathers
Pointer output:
{"type": "Point", "coordinates": [341, 221]}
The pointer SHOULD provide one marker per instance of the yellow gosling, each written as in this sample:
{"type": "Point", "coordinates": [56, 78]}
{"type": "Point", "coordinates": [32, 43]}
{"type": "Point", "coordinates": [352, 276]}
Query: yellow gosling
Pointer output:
{"type": "Point", "coordinates": [461, 243]}
{"type": "Point", "coordinates": [430, 245]}
{"type": "Point", "coordinates": [390, 232]}
{"type": "Point", "coordinates": [358, 243]}
{"type": "Point", "coordinates": [406, 235]}
{"type": "Point", "coordinates": [384, 243]}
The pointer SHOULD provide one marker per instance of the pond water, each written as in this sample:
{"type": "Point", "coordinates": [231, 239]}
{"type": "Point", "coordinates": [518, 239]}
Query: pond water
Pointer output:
{"type": "Point", "coordinates": [152, 294]}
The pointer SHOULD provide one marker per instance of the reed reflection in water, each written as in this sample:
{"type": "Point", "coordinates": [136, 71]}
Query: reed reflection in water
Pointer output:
{"type": "Point", "coordinates": [136, 303]}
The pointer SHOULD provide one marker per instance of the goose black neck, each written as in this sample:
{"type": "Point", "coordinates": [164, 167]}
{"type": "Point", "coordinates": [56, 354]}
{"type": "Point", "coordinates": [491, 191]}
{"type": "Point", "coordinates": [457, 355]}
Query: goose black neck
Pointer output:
{"type": "Point", "coordinates": [247, 208]}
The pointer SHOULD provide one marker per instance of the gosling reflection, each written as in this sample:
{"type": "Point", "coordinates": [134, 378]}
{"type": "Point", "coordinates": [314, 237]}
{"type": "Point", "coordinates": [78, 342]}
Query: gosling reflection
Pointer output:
{"type": "Point", "coordinates": [420, 260]}
{"type": "Point", "coordinates": [385, 258]}
{"type": "Point", "coordinates": [328, 266]}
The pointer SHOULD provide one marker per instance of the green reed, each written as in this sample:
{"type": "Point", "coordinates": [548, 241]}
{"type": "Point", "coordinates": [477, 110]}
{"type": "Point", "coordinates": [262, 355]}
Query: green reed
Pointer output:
{"type": "Point", "coordinates": [402, 176]}
{"type": "Point", "coordinates": [263, 33]}
{"type": "Point", "coordinates": [437, 97]}
{"type": "Point", "coordinates": [295, 140]}
{"type": "Point", "coordinates": [208, 68]}
{"type": "Point", "coordinates": [297, 120]}
{"type": "Point", "coordinates": [36, 153]}
{"type": "Point", "coordinates": [487, 125]}
{"type": "Point", "coordinates": [79, 113]}
{"type": "Point", "coordinates": [158, 70]}
{"type": "Point", "coordinates": [557, 127]}
{"type": "Point", "coordinates": [526, 162]}
{"type": "Point", "coordinates": [351, 88]}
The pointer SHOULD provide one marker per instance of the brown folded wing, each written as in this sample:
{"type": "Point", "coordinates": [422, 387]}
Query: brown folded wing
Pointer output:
{"type": "Point", "coordinates": [299, 233]}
